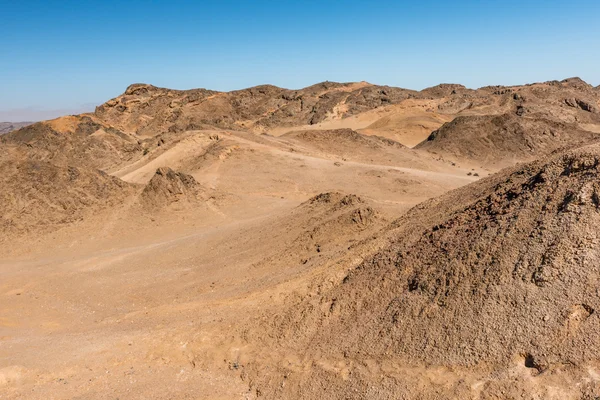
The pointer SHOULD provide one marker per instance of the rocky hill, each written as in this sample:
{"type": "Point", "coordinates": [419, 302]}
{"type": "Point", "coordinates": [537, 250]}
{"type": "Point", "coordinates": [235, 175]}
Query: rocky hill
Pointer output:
{"type": "Point", "coordinates": [487, 279]}
{"type": "Point", "coordinates": [78, 141]}
{"type": "Point", "coordinates": [503, 139]}
{"type": "Point", "coordinates": [145, 109]}
{"type": "Point", "coordinates": [168, 186]}
{"type": "Point", "coordinates": [39, 196]}
{"type": "Point", "coordinates": [240, 244]}
{"type": "Point", "coordinates": [124, 127]}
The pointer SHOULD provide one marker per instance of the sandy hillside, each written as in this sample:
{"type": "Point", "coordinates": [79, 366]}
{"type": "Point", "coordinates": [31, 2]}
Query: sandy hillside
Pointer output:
{"type": "Point", "coordinates": [345, 240]}
{"type": "Point", "coordinates": [489, 291]}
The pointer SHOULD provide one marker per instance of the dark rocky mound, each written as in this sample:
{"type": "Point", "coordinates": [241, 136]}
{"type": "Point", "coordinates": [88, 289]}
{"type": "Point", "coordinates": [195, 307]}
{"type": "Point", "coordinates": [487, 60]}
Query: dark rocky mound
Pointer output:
{"type": "Point", "coordinates": [85, 143]}
{"type": "Point", "coordinates": [500, 275]}
{"type": "Point", "coordinates": [337, 198]}
{"type": "Point", "coordinates": [585, 105]}
{"type": "Point", "coordinates": [323, 227]}
{"type": "Point", "coordinates": [444, 89]}
{"type": "Point", "coordinates": [505, 139]}
{"type": "Point", "coordinates": [168, 186]}
{"type": "Point", "coordinates": [350, 211]}
{"type": "Point", "coordinates": [39, 195]}
{"type": "Point", "coordinates": [576, 83]}
{"type": "Point", "coordinates": [512, 274]}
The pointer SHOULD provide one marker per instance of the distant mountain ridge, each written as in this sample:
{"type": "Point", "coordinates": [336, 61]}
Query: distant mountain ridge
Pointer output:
{"type": "Point", "coordinates": [6, 127]}
{"type": "Point", "coordinates": [146, 109]}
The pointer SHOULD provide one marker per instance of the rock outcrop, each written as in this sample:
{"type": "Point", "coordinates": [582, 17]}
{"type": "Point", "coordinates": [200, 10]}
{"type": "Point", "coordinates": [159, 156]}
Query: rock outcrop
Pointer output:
{"type": "Point", "coordinates": [503, 139]}
{"type": "Point", "coordinates": [501, 275]}
{"type": "Point", "coordinates": [168, 186]}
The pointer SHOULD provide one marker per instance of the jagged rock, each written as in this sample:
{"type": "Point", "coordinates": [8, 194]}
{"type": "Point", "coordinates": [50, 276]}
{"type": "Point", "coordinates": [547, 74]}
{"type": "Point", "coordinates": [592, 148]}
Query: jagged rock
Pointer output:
{"type": "Point", "coordinates": [168, 186]}
{"type": "Point", "coordinates": [582, 104]}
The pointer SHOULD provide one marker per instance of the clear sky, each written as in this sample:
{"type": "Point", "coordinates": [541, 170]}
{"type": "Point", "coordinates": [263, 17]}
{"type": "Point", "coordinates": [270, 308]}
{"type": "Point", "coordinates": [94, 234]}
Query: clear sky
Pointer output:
{"type": "Point", "coordinates": [59, 57]}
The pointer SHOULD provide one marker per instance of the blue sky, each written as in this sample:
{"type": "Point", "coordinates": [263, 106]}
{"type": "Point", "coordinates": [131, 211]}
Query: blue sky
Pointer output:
{"type": "Point", "coordinates": [62, 57]}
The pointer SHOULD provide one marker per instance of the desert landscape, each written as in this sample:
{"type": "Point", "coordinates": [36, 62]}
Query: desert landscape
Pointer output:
{"type": "Point", "coordinates": [341, 241]}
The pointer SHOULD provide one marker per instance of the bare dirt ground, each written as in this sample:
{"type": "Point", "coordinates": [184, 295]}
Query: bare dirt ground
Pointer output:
{"type": "Point", "coordinates": [196, 244]}
{"type": "Point", "coordinates": [115, 302]}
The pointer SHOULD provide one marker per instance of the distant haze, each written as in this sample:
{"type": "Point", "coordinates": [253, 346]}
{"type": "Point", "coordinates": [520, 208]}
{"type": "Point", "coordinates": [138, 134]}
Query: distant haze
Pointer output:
{"type": "Point", "coordinates": [41, 114]}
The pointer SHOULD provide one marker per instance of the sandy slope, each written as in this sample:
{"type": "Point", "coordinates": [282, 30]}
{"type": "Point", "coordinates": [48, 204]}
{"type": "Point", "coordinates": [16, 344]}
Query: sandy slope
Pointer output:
{"type": "Point", "coordinates": [490, 291]}
{"type": "Point", "coordinates": [133, 295]}
{"type": "Point", "coordinates": [155, 243]}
